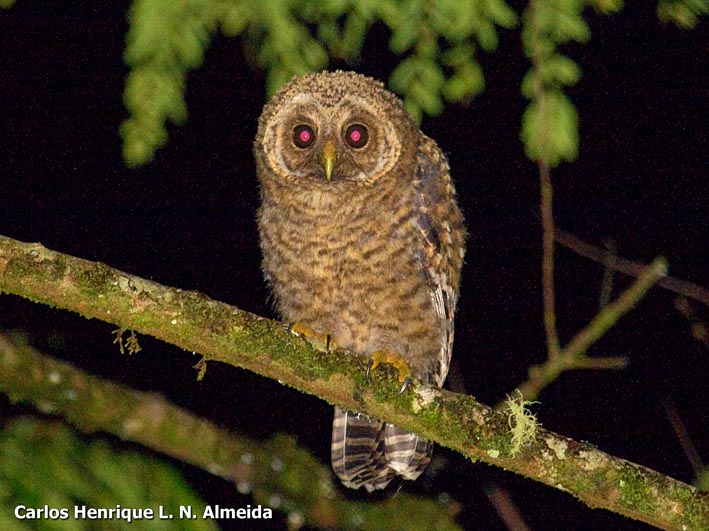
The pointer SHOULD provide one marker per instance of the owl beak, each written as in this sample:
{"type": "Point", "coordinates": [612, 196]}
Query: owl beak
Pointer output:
{"type": "Point", "coordinates": [329, 156]}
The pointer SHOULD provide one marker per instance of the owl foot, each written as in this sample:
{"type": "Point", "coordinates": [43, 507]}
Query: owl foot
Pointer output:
{"type": "Point", "coordinates": [319, 341]}
{"type": "Point", "coordinates": [395, 359]}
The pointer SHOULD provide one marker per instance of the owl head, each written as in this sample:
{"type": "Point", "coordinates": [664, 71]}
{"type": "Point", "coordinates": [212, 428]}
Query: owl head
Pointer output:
{"type": "Point", "coordinates": [332, 127]}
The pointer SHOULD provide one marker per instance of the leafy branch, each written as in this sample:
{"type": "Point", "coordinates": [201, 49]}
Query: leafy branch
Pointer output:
{"type": "Point", "coordinates": [167, 39]}
{"type": "Point", "coordinates": [223, 333]}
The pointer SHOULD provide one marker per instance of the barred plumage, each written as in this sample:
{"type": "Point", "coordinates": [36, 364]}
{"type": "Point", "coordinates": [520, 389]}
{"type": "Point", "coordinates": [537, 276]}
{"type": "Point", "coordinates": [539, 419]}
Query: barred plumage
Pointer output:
{"type": "Point", "coordinates": [362, 239]}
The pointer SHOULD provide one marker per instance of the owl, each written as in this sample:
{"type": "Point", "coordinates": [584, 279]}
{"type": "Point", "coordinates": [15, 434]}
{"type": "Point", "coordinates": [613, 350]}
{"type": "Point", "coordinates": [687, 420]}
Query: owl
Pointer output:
{"type": "Point", "coordinates": [362, 241]}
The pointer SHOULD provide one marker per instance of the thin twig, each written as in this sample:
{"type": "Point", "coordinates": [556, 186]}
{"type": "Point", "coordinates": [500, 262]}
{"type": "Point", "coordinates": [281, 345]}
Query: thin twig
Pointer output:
{"type": "Point", "coordinates": [610, 314]}
{"type": "Point", "coordinates": [506, 508]}
{"type": "Point", "coordinates": [608, 273]}
{"type": "Point", "coordinates": [573, 356]}
{"type": "Point", "coordinates": [628, 267]}
{"type": "Point", "coordinates": [698, 328]}
{"type": "Point", "coordinates": [690, 451]}
{"type": "Point", "coordinates": [548, 261]}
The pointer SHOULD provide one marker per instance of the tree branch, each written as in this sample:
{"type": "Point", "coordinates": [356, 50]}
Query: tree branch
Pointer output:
{"type": "Point", "coordinates": [220, 332]}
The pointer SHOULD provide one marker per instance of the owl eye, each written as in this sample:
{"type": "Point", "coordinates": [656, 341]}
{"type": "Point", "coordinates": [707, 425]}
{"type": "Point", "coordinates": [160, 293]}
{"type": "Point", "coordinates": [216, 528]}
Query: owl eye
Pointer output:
{"type": "Point", "coordinates": [303, 136]}
{"type": "Point", "coordinates": [357, 136]}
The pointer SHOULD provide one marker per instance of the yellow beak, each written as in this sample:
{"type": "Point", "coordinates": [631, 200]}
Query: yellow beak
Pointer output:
{"type": "Point", "coordinates": [329, 156]}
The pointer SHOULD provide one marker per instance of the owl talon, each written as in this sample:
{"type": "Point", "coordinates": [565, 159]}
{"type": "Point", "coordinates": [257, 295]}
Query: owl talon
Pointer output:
{"type": "Point", "coordinates": [319, 341]}
{"type": "Point", "coordinates": [396, 360]}
{"type": "Point", "coordinates": [405, 385]}
{"type": "Point", "coordinates": [370, 366]}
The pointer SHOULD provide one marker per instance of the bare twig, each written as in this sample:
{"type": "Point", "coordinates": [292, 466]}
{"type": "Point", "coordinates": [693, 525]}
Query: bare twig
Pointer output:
{"type": "Point", "coordinates": [608, 274]}
{"type": "Point", "coordinates": [698, 328]}
{"type": "Point", "coordinates": [573, 356]}
{"type": "Point", "coordinates": [628, 267]}
{"type": "Point", "coordinates": [690, 451]}
{"type": "Point", "coordinates": [610, 314]}
{"type": "Point", "coordinates": [506, 509]}
{"type": "Point", "coordinates": [548, 261]}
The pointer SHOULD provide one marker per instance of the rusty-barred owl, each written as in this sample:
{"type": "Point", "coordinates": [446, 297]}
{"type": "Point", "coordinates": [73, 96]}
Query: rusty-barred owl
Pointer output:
{"type": "Point", "coordinates": [362, 239]}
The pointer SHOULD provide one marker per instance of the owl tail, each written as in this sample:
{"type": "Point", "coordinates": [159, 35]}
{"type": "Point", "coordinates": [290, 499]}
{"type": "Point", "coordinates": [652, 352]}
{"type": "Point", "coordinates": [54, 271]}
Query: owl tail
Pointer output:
{"type": "Point", "coordinates": [369, 453]}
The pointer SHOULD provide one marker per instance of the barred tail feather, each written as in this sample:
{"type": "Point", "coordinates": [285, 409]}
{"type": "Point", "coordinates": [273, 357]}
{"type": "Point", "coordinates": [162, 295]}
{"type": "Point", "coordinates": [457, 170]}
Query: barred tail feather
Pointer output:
{"type": "Point", "coordinates": [358, 451]}
{"type": "Point", "coordinates": [406, 453]}
{"type": "Point", "coordinates": [369, 453]}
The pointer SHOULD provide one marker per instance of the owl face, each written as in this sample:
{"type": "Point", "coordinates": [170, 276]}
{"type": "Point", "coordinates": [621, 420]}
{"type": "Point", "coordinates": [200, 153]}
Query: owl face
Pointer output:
{"type": "Point", "coordinates": [326, 133]}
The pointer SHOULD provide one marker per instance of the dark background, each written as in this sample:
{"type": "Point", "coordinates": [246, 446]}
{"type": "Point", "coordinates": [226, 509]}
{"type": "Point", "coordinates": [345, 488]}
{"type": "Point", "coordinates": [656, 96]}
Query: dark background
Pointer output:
{"type": "Point", "coordinates": [187, 220]}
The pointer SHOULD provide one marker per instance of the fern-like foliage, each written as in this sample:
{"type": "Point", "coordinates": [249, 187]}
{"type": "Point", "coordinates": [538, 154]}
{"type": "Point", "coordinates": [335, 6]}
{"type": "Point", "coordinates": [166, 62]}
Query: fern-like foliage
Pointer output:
{"type": "Point", "coordinates": [166, 39]}
{"type": "Point", "coordinates": [435, 40]}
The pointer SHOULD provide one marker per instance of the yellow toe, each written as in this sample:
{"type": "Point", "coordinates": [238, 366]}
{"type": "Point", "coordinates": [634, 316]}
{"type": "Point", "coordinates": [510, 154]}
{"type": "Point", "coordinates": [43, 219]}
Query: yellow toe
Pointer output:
{"type": "Point", "coordinates": [319, 341]}
{"type": "Point", "coordinates": [390, 357]}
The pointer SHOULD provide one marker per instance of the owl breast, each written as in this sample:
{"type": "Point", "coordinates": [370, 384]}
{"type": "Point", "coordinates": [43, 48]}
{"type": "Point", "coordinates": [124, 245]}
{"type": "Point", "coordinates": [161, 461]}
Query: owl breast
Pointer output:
{"type": "Point", "coordinates": [341, 262]}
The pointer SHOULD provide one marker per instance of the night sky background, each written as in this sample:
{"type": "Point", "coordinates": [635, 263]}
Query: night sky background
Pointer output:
{"type": "Point", "coordinates": [188, 220]}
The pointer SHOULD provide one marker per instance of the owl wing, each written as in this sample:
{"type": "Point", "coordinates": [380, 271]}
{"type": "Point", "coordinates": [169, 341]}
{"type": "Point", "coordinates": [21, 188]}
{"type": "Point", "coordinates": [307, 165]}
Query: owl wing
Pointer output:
{"type": "Point", "coordinates": [367, 452]}
{"type": "Point", "coordinates": [440, 224]}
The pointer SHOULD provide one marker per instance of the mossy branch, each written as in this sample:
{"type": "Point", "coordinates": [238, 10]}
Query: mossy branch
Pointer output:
{"type": "Point", "coordinates": [223, 333]}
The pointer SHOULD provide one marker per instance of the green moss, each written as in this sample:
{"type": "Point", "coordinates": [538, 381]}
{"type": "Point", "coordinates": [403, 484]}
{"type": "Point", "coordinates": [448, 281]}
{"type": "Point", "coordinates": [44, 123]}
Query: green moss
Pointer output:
{"type": "Point", "coordinates": [97, 278]}
{"type": "Point", "coordinates": [634, 490]}
{"type": "Point", "coordinates": [41, 270]}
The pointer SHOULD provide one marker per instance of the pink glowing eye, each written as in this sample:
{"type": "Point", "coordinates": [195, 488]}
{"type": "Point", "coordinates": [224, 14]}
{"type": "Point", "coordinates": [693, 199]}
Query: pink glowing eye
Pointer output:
{"type": "Point", "coordinates": [303, 136]}
{"type": "Point", "coordinates": [357, 136]}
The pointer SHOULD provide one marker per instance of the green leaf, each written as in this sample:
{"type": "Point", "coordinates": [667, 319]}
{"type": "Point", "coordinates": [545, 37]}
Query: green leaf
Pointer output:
{"type": "Point", "coordinates": [452, 19]}
{"type": "Point", "coordinates": [560, 69]}
{"type": "Point", "coordinates": [458, 55]}
{"type": "Point", "coordinates": [404, 37]}
{"type": "Point", "coordinates": [683, 13]}
{"type": "Point", "coordinates": [315, 55]}
{"type": "Point", "coordinates": [389, 13]}
{"type": "Point", "coordinates": [234, 18]}
{"type": "Point", "coordinates": [414, 109]}
{"type": "Point", "coordinates": [427, 98]}
{"type": "Point", "coordinates": [570, 26]}
{"type": "Point", "coordinates": [500, 13]}
{"type": "Point", "coordinates": [607, 7]}
{"type": "Point", "coordinates": [276, 78]}
{"type": "Point", "coordinates": [550, 129]}
{"type": "Point", "coordinates": [353, 35]}
{"type": "Point", "coordinates": [329, 34]}
{"type": "Point", "coordinates": [467, 82]}
{"type": "Point", "coordinates": [403, 75]}
{"type": "Point", "coordinates": [529, 83]}
{"type": "Point", "coordinates": [486, 35]}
